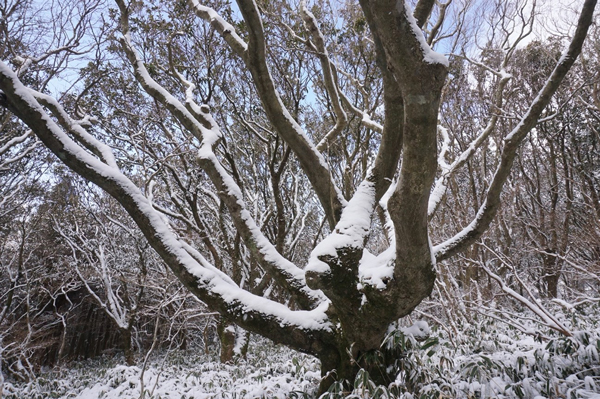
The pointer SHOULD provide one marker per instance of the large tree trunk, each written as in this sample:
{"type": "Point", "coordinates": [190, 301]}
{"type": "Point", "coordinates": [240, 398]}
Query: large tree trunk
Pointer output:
{"type": "Point", "coordinates": [336, 365]}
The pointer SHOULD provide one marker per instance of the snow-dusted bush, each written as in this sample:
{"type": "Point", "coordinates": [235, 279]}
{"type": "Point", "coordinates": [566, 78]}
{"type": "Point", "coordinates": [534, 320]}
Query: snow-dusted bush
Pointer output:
{"type": "Point", "coordinates": [489, 360]}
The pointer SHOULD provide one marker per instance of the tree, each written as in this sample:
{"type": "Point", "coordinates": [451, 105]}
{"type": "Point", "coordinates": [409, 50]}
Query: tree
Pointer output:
{"type": "Point", "coordinates": [106, 257]}
{"type": "Point", "coordinates": [78, 280]}
{"type": "Point", "coordinates": [34, 285]}
{"type": "Point", "coordinates": [179, 167]}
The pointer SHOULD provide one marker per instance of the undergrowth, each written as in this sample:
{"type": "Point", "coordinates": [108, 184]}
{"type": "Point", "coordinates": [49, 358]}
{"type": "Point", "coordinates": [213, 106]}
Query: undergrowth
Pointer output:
{"type": "Point", "coordinates": [486, 359]}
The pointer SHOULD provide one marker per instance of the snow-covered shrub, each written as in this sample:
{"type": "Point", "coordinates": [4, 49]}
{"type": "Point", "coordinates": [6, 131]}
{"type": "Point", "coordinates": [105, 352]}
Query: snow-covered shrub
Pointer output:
{"type": "Point", "coordinates": [491, 360]}
{"type": "Point", "coordinates": [269, 372]}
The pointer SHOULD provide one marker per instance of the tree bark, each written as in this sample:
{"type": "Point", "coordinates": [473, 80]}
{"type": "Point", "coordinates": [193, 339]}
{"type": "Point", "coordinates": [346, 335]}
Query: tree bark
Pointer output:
{"type": "Point", "coordinates": [125, 334]}
{"type": "Point", "coordinates": [226, 332]}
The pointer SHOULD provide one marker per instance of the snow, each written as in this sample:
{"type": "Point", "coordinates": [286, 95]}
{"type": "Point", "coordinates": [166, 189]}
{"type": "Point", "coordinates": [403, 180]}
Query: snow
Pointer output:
{"type": "Point", "coordinates": [350, 231]}
{"type": "Point", "coordinates": [486, 360]}
{"type": "Point", "coordinates": [440, 185]}
{"type": "Point", "coordinates": [376, 270]}
{"type": "Point", "coordinates": [269, 372]}
{"type": "Point", "coordinates": [420, 329]}
{"type": "Point", "coordinates": [77, 129]}
{"type": "Point", "coordinates": [241, 340]}
{"type": "Point", "coordinates": [429, 56]}
{"type": "Point", "coordinates": [504, 75]}
{"type": "Point", "coordinates": [367, 121]}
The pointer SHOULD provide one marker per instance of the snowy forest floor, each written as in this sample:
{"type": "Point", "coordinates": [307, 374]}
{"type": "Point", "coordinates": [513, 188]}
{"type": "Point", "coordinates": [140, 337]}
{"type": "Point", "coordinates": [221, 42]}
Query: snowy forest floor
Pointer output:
{"type": "Point", "coordinates": [487, 359]}
{"type": "Point", "coordinates": [269, 371]}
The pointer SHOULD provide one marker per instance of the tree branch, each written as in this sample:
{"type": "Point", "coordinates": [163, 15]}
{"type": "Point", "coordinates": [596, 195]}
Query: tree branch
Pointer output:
{"type": "Point", "coordinates": [329, 77]}
{"type": "Point", "coordinates": [423, 11]}
{"type": "Point", "coordinates": [311, 161]}
{"type": "Point", "coordinates": [199, 121]}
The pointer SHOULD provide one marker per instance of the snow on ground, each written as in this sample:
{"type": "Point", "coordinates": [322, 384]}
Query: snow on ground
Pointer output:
{"type": "Point", "coordinates": [486, 360]}
{"type": "Point", "coordinates": [270, 372]}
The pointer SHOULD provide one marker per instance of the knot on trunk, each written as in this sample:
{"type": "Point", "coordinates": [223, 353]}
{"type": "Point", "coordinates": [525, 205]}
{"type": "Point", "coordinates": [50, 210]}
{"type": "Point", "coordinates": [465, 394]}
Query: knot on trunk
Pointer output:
{"type": "Point", "coordinates": [339, 280]}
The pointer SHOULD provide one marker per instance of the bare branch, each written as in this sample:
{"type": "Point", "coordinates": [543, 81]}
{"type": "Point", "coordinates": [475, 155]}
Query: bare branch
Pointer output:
{"type": "Point", "coordinates": [329, 76]}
